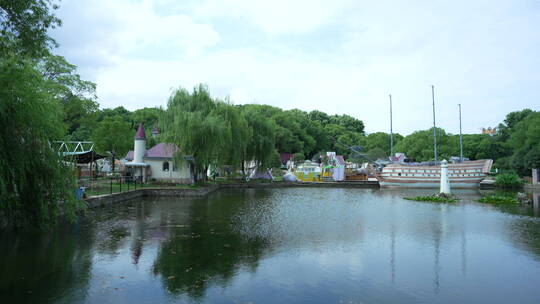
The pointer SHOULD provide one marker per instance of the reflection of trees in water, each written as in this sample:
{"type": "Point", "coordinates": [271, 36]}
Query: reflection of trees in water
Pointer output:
{"type": "Point", "coordinates": [112, 228]}
{"type": "Point", "coordinates": [524, 231]}
{"type": "Point", "coordinates": [55, 266]}
{"type": "Point", "coordinates": [130, 222]}
{"type": "Point", "coordinates": [518, 209]}
{"type": "Point", "coordinates": [43, 267]}
{"type": "Point", "coordinates": [208, 251]}
{"type": "Point", "coordinates": [525, 234]}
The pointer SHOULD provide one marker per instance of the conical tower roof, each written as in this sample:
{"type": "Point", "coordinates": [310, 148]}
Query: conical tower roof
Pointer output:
{"type": "Point", "coordinates": [155, 130]}
{"type": "Point", "coordinates": [140, 132]}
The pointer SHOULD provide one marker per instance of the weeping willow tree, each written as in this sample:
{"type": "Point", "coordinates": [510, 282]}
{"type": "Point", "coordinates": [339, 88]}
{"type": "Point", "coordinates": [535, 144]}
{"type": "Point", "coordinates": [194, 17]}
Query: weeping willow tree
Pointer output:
{"type": "Point", "coordinates": [238, 134]}
{"type": "Point", "coordinates": [261, 145]}
{"type": "Point", "coordinates": [216, 132]}
{"type": "Point", "coordinates": [35, 185]}
{"type": "Point", "coordinates": [191, 123]}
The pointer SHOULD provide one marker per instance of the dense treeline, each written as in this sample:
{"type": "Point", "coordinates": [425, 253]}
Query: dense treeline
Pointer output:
{"type": "Point", "coordinates": [515, 145]}
{"type": "Point", "coordinates": [194, 121]}
{"type": "Point", "coordinates": [43, 99]}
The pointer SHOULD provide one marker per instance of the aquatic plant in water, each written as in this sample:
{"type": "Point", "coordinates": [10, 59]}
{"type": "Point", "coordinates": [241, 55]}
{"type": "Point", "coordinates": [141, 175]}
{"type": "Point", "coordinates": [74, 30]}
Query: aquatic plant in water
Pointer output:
{"type": "Point", "coordinates": [436, 198]}
{"type": "Point", "coordinates": [498, 199]}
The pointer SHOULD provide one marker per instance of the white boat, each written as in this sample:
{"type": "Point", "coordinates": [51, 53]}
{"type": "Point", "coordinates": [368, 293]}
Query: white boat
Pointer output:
{"type": "Point", "coordinates": [466, 174]}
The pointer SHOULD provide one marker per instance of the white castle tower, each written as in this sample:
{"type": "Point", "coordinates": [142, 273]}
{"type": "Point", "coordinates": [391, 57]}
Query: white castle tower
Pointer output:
{"type": "Point", "coordinates": [139, 149]}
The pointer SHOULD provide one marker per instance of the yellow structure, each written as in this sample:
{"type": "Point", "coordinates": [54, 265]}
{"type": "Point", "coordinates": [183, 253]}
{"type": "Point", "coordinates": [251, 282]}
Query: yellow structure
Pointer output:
{"type": "Point", "coordinates": [308, 172]}
{"type": "Point", "coordinates": [489, 131]}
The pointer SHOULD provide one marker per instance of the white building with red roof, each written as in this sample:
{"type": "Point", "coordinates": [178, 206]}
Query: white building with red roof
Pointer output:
{"type": "Point", "coordinates": [157, 162]}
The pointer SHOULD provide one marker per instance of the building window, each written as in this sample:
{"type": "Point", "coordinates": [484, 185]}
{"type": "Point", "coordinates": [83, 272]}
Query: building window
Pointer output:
{"type": "Point", "coordinates": [174, 167]}
{"type": "Point", "coordinates": [165, 166]}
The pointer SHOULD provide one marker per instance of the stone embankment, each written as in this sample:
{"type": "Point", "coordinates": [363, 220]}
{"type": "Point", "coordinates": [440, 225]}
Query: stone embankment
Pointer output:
{"type": "Point", "coordinates": [106, 199]}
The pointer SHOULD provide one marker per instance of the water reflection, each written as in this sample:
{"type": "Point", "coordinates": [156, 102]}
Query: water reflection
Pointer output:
{"type": "Point", "coordinates": [43, 268]}
{"type": "Point", "coordinates": [206, 252]}
{"type": "Point", "coordinates": [536, 203]}
{"type": "Point", "coordinates": [281, 245]}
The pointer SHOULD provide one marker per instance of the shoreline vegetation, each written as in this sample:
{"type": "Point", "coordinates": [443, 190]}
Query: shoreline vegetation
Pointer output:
{"type": "Point", "coordinates": [498, 200]}
{"type": "Point", "coordinates": [435, 198]}
{"type": "Point", "coordinates": [509, 180]}
{"type": "Point", "coordinates": [43, 99]}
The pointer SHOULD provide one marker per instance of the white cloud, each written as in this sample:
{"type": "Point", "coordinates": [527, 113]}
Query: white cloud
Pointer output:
{"type": "Point", "coordinates": [275, 17]}
{"type": "Point", "coordinates": [338, 57]}
{"type": "Point", "coordinates": [108, 31]}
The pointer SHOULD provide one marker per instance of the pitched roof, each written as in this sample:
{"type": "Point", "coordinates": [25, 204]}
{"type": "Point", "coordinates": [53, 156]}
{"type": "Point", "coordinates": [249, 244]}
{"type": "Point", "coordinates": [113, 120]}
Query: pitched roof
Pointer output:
{"type": "Point", "coordinates": [161, 150]}
{"type": "Point", "coordinates": [129, 155]}
{"type": "Point", "coordinates": [285, 157]}
{"type": "Point", "coordinates": [140, 132]}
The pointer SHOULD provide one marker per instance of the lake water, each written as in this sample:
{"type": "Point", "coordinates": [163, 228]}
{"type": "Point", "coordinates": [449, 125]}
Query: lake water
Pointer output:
{"type": "Point", "coordinates": [293, 245]}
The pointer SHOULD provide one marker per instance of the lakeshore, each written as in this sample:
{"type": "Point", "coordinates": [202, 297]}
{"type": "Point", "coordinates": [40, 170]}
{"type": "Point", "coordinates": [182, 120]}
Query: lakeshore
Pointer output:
{"type": "Point", "coordinates": [105, 199]}
{"type": "Point", "coordinates": [244, 243]}
{"type": "Point", "coordinates": [269, 152]}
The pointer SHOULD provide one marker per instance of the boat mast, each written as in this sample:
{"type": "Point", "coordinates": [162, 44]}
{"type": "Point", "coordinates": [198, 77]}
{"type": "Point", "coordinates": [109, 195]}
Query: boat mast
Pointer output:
{"type": "Point", "coordinates": [460, 136]}
{"type": "Point", "coordinates": [434, 127]}
{"type": "Point", "coordinates": [391, 132]}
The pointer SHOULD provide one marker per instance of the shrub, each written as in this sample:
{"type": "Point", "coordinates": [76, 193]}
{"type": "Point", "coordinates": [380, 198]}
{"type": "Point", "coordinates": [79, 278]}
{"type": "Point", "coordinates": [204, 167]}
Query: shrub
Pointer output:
{"type": "Point", "coordinates": [298, 157]}
{"type": "Point", "coordinates": [508, 180]}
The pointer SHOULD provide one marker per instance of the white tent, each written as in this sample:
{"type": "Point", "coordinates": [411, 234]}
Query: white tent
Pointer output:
{"type": "Point", "coordinates": [261, 174]}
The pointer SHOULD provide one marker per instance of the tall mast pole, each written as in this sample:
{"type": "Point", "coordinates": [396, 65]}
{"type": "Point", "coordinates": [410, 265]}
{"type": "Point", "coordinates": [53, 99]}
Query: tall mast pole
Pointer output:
{"type": "Point", "coordinates": [460, 136]}
{"type": "Point", "coordinates": [391, 132]}
{"type": "Point", "coordinates": [434, 126]}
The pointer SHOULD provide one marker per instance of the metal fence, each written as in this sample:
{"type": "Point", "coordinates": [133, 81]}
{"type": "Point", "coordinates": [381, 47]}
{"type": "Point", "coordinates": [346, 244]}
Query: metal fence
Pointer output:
{"type": "Point", "coordinates": [108, 185]}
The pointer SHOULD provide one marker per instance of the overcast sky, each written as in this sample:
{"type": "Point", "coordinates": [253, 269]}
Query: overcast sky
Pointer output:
{"type": "Point", "coordinates": [340, 56]}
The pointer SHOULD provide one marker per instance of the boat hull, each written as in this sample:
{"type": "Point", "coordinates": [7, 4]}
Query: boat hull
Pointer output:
{"type": "Point", "coordinates": [467, 174]}
{"type": "Point", "coordinates": [428, 185]}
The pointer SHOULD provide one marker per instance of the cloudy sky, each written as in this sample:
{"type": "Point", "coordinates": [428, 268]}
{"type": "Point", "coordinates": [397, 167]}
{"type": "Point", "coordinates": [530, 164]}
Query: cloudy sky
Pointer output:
{"type": "Point", "coordinates": [340, 56]}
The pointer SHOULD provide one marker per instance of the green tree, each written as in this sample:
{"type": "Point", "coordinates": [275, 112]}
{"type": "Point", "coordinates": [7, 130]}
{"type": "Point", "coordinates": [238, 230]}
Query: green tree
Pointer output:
{"type": "Point", "coordinates": [525, 143]}
{"type": "Point", "coordinates": [319, 117]}
{"type": "Point", "coordinates": [301, 132]}
{"type": "Point", "coordinates": [481, 146]}
{"type": "Point", "coordinates": [262, 138]}
{"type": "Point", "coordinates": [113, 136]}
{"type": "Point", "coordinates": [298, 157]}
{"type": "Point", "coordinates": [377, 153]}
{"type": "Point", "coordinates": [148, 116]}
{"type": "Point", "coordinates": [505, 128]}
{"type": "Point", "coordinates": [64, 82]}
{"type": "Point", "coordinates": [33, 179]}
{"type": "Point", "coordinates": [237, 134]}
{"type": "Point", "coordinates": [118, 111]}
{"type": "Point", "coordinates": [35, 185]}
{"type": "Point", "coordinates": [76, 96]}
{"type": "Point", "coordinates": [348, 122]}
{"type": "Point", "coordinates": [381, 140]}
{"type": "Point", "coordinates": [419, 145]}
{"type": "Point", "coordinates": [24, 26]}
{"type": "Point", "coordinates": [191, 123]}
{"type": "Point", "coordinates": [291, 136]}
{"type": "Point", "coordinates": [351, 139]}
